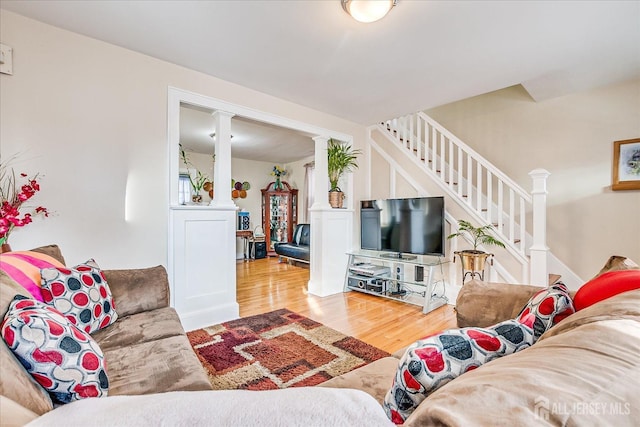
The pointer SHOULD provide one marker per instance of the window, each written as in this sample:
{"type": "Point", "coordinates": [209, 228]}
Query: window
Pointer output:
{"type": "Point", "coordinates": [309, 175]}
{"type": "Point", "coordinates": [184, 189]}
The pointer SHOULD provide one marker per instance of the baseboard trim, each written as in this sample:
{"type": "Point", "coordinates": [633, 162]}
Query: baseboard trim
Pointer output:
{"type": "Point", "coordinates": [211, 316]}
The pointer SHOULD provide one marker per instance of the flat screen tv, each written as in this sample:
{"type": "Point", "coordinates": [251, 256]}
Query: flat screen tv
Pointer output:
{"type": "Point", "coordinates": [403, 226]}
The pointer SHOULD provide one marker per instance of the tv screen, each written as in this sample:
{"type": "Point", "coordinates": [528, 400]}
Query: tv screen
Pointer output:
{"type": "Point", "coordinates": [413, 226]}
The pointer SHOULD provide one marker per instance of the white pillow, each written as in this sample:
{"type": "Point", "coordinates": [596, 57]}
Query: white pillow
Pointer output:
{"type": "Point", "coordinates": [302, 406]}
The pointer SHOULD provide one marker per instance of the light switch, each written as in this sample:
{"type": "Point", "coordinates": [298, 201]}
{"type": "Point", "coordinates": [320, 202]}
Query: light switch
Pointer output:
{"type": "Point", "coordinates": [6, 59]}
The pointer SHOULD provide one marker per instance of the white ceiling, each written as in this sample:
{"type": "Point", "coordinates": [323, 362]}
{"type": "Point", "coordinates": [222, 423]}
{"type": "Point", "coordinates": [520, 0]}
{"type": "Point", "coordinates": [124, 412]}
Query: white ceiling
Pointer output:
{"type": "Point", "coordinates": [251, 140]}
{"type": "Point", "coordinates": [423, 54]}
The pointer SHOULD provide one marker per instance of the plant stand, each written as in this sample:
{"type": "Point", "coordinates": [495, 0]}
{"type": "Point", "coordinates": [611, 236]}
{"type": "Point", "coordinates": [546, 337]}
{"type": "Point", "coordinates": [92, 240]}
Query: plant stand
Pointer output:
{"type": "Point", "coordinates": [473, 263]}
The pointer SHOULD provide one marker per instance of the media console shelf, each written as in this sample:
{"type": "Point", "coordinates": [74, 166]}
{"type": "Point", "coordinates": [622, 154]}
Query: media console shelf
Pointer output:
{"type": "Point", "coordinates": [410, 279]}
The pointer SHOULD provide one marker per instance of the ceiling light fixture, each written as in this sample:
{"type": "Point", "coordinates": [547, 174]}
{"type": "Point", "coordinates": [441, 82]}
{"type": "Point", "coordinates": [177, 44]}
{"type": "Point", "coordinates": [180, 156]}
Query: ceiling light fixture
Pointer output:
{"type": "Point", "coordinates": [368, 10]}
{"type": "Point", "coordinates": [212, 135]}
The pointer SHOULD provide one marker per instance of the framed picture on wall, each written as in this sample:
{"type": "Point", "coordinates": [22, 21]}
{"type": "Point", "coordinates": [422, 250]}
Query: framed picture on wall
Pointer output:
{"type": "Point", "coordinates": [626, 165]}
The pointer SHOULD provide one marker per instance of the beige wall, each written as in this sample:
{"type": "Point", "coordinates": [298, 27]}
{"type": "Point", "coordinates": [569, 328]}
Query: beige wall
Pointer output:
{"type": "Point", "coordinates": [572, 137]}
{"type": "Point", "coordinates": [92, 118]}
{"type": "Point", "coordinates": [257, 174]}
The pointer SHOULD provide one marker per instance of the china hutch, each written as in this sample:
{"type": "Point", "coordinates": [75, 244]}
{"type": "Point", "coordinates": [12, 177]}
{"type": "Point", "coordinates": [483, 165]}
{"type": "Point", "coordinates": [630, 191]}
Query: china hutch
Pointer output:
{"type": "Point", "coordinates": [279, 213]}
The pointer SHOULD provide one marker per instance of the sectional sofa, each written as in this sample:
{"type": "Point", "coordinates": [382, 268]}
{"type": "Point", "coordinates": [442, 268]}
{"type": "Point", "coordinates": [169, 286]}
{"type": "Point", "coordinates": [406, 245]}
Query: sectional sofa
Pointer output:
{"type": "Point", "coordinates": [583, 371]}
{"type": "Point", "coordinates": [155, 377]}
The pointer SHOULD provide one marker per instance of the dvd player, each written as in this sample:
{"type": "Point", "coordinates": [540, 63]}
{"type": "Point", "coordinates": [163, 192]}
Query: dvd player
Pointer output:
{"type": "Point", "coordinates": [370, 270]}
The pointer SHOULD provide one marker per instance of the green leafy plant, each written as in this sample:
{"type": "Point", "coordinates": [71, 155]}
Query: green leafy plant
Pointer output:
{"type": "Point", "coordinates": [341, 158]}
{"type": "Point", "coordinates": [200, 179]}
{"type": "Point", "coordinates": [479, 235]}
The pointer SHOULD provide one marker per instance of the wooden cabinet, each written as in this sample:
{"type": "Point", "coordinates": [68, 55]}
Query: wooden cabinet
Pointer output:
{"type": "Point", "coordinates": [279, 213]}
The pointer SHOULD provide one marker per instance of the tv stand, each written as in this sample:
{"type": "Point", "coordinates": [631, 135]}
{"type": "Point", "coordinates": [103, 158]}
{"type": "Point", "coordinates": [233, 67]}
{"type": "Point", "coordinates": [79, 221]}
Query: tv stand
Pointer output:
{"type": "Point", "coordinates": [410, 279]}
{"type": "Point", "coordinates": [398, 255]}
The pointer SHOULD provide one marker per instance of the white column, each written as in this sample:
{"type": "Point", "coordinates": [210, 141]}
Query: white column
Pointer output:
{"type": "Point", "coordinates": [331, 231]}
{"type": "Point", "coordinates": [321, 187]}
{"type": "Point", "coordinates": [222, 172]}
{"type": "Point", "coordinates": [539, 249]}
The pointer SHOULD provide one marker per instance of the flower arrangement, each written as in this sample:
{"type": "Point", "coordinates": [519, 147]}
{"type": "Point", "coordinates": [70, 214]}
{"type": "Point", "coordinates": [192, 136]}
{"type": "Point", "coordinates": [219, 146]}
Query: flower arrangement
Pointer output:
{"type": "Point", "coordinates": [278, 172]}
{"type": "Point", "coordinates": [12, 197]}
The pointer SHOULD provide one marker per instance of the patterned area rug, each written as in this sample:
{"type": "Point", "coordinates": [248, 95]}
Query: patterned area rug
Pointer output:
{"type": "Point", "coordinates": [277, 350]}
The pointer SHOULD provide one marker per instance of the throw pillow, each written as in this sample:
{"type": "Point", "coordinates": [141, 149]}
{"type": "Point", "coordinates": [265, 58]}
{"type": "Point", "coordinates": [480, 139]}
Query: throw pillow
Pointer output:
{"type": "Point", "coordinates": [64, 360]}
{"type": "Point", "coordinates": [546, 308]}
{"type": "Point", "coordinates": [430, 363]}
{"type": "Point", "coordinates": [80, 293]}
{"type": "Point", "coordinates": [617, 262]}
{"type": "Point", "coordinates": [605, 286]}
{"type": "Point", "coordinates": [24, 268]}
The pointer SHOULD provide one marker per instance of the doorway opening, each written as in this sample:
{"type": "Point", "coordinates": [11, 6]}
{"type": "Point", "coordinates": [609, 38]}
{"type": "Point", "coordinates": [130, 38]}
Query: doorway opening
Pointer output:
{"type": "Point", "coordinates": [202, 245]}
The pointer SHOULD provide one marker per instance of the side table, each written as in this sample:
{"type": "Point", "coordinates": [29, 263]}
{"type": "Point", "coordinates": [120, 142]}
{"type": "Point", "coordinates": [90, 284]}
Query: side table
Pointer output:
{"type": "Point", "coordinates": [246, 236]}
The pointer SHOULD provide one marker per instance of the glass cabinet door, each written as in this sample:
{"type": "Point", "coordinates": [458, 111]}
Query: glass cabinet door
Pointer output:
{"type": "Point", "coordinates": [279, 217]}
{"type": "Point", "coordinates": [279, 214]}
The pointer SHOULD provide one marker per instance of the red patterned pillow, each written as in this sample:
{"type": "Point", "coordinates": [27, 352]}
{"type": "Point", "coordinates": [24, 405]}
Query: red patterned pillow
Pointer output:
{"type": "Point", "coordinates": [432, 362]}
{"type": "Point", "coordinates": [61, 358]}
{"type": "Point", "coordinates": [605, 286]}
{"type": "Point", "coordinates": [82, 294]}
{"type": "Point", "coordinates": [546, 308]}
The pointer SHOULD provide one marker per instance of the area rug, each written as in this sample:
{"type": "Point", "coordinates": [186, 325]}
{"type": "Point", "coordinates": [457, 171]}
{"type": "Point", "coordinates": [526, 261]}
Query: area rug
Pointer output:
{"type": "Point", "coordinates": [275, 350]}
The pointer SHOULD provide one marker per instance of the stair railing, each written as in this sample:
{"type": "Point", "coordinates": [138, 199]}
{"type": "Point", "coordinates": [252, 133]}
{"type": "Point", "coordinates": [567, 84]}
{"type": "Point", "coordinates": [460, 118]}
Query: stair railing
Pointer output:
{"type": "Point", "coordinates": [484, 191]}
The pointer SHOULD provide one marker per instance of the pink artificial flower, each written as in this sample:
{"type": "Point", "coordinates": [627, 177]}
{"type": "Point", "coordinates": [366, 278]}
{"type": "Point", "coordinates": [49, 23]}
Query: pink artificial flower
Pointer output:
{"type": "Point", "coordinates": [13, 196]}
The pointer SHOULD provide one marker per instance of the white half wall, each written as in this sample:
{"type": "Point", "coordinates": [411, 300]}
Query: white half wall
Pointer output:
{"type": "Point", "coordinates": [330, 242]}
{"type": "Point", "coordinates": [202, 261]}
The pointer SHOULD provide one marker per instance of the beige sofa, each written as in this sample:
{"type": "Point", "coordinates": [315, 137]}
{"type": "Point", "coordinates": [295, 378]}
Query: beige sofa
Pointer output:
{"type": "Point", "coordinates": [146, 350]}
{"type": "Point", "coordinates": [155, 378]}
{"type": "Point", "coordinates": [583, 371]}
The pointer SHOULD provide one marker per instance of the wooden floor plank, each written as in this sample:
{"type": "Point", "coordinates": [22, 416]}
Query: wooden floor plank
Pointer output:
{"type": "Point", "coordinates": [265, 285]}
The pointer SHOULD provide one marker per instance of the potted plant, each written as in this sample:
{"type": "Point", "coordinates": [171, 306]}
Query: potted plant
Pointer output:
{"type": "Point", "coordinates": [341, 158]}
{"type": "Point", "coordinates": [473, 260]}
{"type": "Point", "coordinates": [199, 181]}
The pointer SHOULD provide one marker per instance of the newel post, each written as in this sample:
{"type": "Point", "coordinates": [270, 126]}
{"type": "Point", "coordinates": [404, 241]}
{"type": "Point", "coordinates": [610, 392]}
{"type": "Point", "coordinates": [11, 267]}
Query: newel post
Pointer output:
{"type": "Point", "coordinates": [539, 249]}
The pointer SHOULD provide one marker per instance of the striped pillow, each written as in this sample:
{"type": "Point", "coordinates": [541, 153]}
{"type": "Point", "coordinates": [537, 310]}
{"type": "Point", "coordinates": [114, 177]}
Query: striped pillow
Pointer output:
{"type": "Point", "coordinates": [24, 267]}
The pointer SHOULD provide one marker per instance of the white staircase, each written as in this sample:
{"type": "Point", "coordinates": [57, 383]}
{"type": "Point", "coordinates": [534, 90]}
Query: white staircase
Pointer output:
{"type": "Point", "coordinates": [484, 193]}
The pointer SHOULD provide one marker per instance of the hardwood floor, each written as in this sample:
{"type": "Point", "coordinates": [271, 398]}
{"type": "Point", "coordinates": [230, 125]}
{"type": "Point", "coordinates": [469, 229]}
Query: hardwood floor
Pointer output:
{"type": "Point", "coordinates": [265, 285]}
